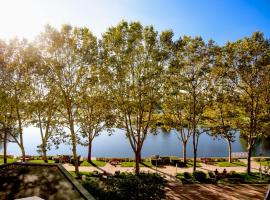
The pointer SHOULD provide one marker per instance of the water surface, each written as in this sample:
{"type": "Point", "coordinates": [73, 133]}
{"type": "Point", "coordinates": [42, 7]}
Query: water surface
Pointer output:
{"type": "Point", "coordinates": [117, 145]}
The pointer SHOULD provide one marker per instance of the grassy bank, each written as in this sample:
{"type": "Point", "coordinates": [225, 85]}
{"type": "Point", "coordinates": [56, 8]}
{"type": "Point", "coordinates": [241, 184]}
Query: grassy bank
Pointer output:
{"type": "Point", "coordinates": [227, 164]}
{"type": "Point", "coordinates": [94, 163]}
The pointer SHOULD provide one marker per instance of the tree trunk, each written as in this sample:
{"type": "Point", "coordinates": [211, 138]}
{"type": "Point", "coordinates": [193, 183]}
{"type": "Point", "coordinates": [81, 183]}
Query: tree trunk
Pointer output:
{"type": "Point", "coordinates": [89, 158]}
{"type": "Point", "coordinates": [137, 162]}
{"type": "Point", "coordinates": [140, 157]}
{"type": "Point", "coordinates": [5, 146]}
{"type": "Point", "coordinates": [230, 151]}
{"type": "Point", "coordinates": [194, 152]}
{"type": "Point", "coordinates": [73, 140]}
{"type": "Point", "coordinates": [23, 152]}
{"type": "Point", "coordinates": [249, 161]}
{"type": "Point", "coordinates": [185, 152]}
{"type": "Point", "coordinates": [44, 153]}
{"type": "Point", "coordinates": [21, 145]}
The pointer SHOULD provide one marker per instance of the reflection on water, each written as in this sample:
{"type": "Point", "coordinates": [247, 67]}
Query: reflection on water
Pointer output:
{"type": "Point", "coordinates": [161, 144]}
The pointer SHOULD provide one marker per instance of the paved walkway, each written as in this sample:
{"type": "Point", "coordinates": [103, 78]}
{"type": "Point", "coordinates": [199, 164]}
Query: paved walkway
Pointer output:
{"type": "Point", "coordinates": [169, 171]}
{"type": "Point", "coordinates": [216, 192]}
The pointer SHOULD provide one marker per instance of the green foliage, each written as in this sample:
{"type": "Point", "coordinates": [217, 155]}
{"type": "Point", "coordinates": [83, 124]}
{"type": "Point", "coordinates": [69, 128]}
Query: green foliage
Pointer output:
{"type": "Point", "coordinates": [200, 176]}
{"type": "Point", "coordinates": [144, 186]}
{"type": "Point", "coordinates": [187, 175]}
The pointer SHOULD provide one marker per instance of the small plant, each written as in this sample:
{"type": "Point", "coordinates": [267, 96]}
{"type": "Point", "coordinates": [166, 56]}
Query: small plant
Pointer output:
{"type": "Point", "coordinates": [233, 174]}
{"type": "Point", "coordinates": [211, 174]}
{"type": "Point", "coordinates": [199, 176]}
{"type": "Point", "coordinates": [187, 175]}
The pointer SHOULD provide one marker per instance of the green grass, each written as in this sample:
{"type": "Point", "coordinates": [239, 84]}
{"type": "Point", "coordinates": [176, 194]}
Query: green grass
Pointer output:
{"type": "Point", "coordinates": [40, 161]}
{"type": "Point", "coordinates": [253, 178]}
{"type": "Point", "coordinates": [227, 164]}
{"type": "Point", "coordinates": [190, 164]}
{"type": "Point", "coordinates": [132, 164]}
{"type": "Point", "coordinates": [96, 163]}
{"type": "Point", "coordinates": [9, 160]}
{"type": "Point", "coordinates": [264, 163]}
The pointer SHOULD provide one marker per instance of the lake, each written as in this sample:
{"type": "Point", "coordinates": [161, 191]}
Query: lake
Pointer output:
{"type": "Point", "coordinates": [165, 144]}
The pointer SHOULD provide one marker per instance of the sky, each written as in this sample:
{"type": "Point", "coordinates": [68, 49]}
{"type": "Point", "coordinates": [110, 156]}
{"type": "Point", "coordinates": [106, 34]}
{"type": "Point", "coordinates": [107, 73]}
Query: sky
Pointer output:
{"type": "Point", "coordinates": [220, 20]}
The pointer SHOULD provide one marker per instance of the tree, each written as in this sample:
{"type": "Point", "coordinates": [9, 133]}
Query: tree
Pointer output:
{"type": "Point", "coordinates": [219, 116]}
{"type": "Point", "coordinates": [175, 113]}
{"type": "Point", "coordinates": [190, 66]}
{"type": "Point", "coordinates": [95, 110]}
{"type": "Point", "coordinates": [133, 61]}
{"type": "Point", "coordinates": [68, 54]}
{"type": "Point", "coordinates": [247, 62]}
{"type": "Point", "coordinates": [19, 60]}
{"type": "Point", "coordinates": [44, 112]}
{"type": "Point", "coordinates": [7, 123]}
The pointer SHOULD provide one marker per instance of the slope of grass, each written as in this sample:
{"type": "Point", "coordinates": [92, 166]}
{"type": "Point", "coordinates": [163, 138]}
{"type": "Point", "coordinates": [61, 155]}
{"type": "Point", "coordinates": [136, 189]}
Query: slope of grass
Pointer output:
{"type": "Point", "coordinates": [95, 162]}
{"type": "Point", "coordinates": [9, 160]}
{"type": "Point", "coordinates": [227, 164]}
{"type": "Point", "coordinates": [40, 161]}
{"type": "Point", "coordinates": [190, 164]}
{"type": "Point", "coordinates": [264, 163]}
{"type": "Point", "coordinates": [132, 164]}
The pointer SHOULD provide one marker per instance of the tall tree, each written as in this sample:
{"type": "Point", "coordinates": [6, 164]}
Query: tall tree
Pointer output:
{"type": "Point", "coordinates": [15, 77]}
{"type": "Point", "coordinates": [68, 54]}
{"type": "Point", "coordinates": [44, 113]}
{"type": "Point", "coordinates": [175, 113]}
{"type": "Point", "coordinates": [133, 61]}
{"type": "Point", "coordinates": [220, 114]}
{"type": "Point", "coordinates": [190, 66]}
{"type": "Point", "coordinates": [7, 122]}
{"type": "Point", "coordinates": [94, 116]}
{"type": "Point", "coordinates": [247, 63]}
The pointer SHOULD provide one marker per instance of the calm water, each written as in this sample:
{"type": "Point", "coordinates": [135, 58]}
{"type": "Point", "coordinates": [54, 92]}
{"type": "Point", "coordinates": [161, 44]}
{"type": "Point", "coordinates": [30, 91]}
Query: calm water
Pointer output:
{"type": "Point", "coordinates": [161, 144]}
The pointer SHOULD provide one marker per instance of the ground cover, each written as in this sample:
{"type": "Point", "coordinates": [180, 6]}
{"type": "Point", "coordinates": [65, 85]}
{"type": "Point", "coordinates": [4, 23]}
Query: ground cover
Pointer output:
{"type": "Point", "coordinates": [93, 163]}
{"type": "Point", "coordinates": [118, 187]}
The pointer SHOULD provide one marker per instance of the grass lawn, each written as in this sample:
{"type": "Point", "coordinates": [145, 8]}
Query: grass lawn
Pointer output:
{"type": "Point", "coordinates": [190, 164]}
{"type": "Point", "coordinates": [9, 160]}
{"type": "Point", "coordinates": [40, 161]}
{"type": "Point", "coordinates": [132, 164]}
{"type": "Point", "coordinates": [264, 163]}
{"type": "Point", "coordinates": [253, 178]}
{"type": "Point", "coordinates": [96, 163]}
{"type": "Point", "coordinates": [227, 164]}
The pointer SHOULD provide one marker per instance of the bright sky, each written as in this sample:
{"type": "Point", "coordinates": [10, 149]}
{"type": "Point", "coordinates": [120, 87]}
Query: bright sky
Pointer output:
{"type": "Point", "coordinates": [221, 20]}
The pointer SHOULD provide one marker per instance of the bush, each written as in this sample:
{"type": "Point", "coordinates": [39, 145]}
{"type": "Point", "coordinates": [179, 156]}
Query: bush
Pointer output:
{"type": "Point", "coordinates": [211, 174]}
{"type": "Point", "coordinates": [187, 175]}
{"type": "Point", "coordinates": [221, 160]}
{"type": "Point", "coordinates": [199, 176]}
{"type": "Point", "coordinates": [233, 174]}
{"type": "Point", "coordinates": [127, 186]}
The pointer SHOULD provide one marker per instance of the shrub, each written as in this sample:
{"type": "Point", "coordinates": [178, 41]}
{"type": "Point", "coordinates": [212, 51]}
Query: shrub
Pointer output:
{"type": "Point", "coordinates": [199, 176]}
{"type": "Point", "coordinates": [211, 174]}
{"type": "Point", "coordinates": [187, 175]}
{"type": "Point", "coordinates": [233, 174]}
{"type": "Point", "coordinates": [127, 186]}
